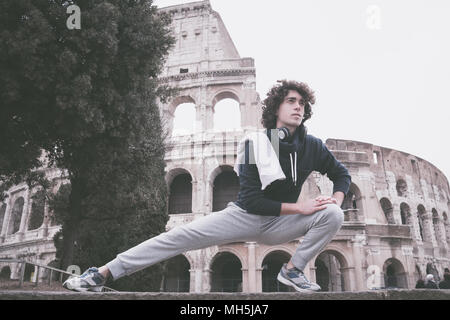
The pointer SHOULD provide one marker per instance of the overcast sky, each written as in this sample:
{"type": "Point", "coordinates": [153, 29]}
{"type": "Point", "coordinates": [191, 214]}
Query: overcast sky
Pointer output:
{"type": "Point", "coordinates": [380, 69]}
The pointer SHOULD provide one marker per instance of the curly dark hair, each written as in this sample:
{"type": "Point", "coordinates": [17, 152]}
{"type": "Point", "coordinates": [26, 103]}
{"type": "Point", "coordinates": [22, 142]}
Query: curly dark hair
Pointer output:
{"type": "Point", "coordinates": [276, 96]}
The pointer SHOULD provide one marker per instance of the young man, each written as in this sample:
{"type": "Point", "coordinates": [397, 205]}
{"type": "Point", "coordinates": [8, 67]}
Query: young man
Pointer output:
{"type": "Point", "coordinates": [271, 214]}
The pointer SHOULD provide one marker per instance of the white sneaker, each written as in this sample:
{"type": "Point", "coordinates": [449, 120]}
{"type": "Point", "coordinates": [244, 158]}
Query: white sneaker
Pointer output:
{"type": "Point", "coordinates": [90, 280]}
{"type": "Point", "coordinates": [296, 278]}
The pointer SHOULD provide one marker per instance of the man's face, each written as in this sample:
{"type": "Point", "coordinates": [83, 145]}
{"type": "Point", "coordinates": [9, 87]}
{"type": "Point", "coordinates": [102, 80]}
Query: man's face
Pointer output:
{"type": "Point", "coordinates": [291, 111]}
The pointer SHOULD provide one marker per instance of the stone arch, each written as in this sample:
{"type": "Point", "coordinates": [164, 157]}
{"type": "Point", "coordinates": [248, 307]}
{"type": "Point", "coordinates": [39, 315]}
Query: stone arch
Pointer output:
{"type": "Point", "coordinates": [405, 214]}
{"type": "Point", "coordinates": [402, 188]}
{"type": "Point", "coordinates": [353, 204]}
{"type": "Point", "coordinates": [284, 248]}
{"type": "Point", "coordinates": [332, 272]}
{"type": "Point", "coordinates": [227, 93]}
{"type": "Point", "coordinates": [226, 272]}
{"type": "Point", "coordinates": [36, 218]}
{"type": "Point", "coordinates": [271, 265]}
{"type": "Point", "coordinates": [394, 274]}
{"type": "Point", "coordinates": [388, 210]}
{"type": "Point", "coordinates": [232, 250]}
{"type": "Point", "coordinates": [176, 277]}
{"type": "Point", "coordinates": [224, 183]}
{"type": "Point", "coordinates": [5, 273]}
{"type": "Point", "coordinates": [226, 111]}
{"type": "Point", "coordinates": [185, 98]}
{"type": "Point", "coordinates": [179, 182]}
{"type": "Point", "coordinates": [16, 216]}
{"type": "Point", "coordinates": [183, 116]}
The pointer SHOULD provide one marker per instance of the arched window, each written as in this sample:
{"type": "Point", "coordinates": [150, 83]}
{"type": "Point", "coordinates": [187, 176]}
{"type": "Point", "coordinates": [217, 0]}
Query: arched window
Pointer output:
{"type": "Point", "coordinates": [422, 223]}
{"type": "Point", "coordinates": [386, 205]}
{"type": "Point", "coordinates": [226, 188]}
{"type": "Point", "coordinates": [5, 273]}
{"type": "Point", "coordinates": [402, 188]}
{"type": "Point", "coordinates": [37, 210]}
{"type": "Point", "coordinates": [394, 274]}
{"type": "Point", "coordinates": [227, 116]}
{"type": "Point", "coordinates": [405, 214]}
{"type": "Point", "coordinates": [180, 197]}
{"type": "Point", "coordinates": [226, 273]}
{"type": "Point", "coordinates": [16, 216]}
{"type": "Point", "coordinates": [184, 121]}
{"type": "Point", "coordinates": [352, 204]}
{"type": "Point", "coordinates": [177, 275]}
{"type": "Point", "coordinates": [271, 266]}
{"type": "Point", "coordinates": [331, 271]}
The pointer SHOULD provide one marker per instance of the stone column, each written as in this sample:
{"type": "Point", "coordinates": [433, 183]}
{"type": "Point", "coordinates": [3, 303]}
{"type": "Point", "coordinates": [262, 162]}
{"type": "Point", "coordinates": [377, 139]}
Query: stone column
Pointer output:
{"type": "Point", "coordinates": [377, 263]}
{"type": "Point", "coordinates": [416, 227]}
{"type": "Point", "coordinates": [208, 118]}
{"type": "Point", "coordinates": [25, 214]}
{"type": "Point", "coordinates": [252, 280]}
{"type": "Point", "coordinates": [428, 229]}
{"type": "Point", "coordinates": [245, 281]}
{"type": "Point", "coordinates": [409, 267]}
{"type": "Point", "coordinates": [3, 227]}
{"type": "Point", "coordinates": [312, 272]}
{"type": "Point", "coordinates": [46, 221]}
{"type": "Point", "coordinates": [206, 283]}
{"type": "Point", "coordinates": [196, 280]}
{"type": "Point", "coordinates": [348, 275]}
{"type": "Point", "coordinates": [396, 213]}
{"type": "Point", "coordinates": [446, 229]}
{"type": "Point", "coordinates": [258, 275]}
{"type": "Point", "coordinates": [8, 214]}
{"type": "Point", "coordinates": [208, 197]}
{"type": "Point", "coordinates": [441, 239]}
{"type": "Point", "coordinates": [196, 194]}
{"type": "Point", "coordinates": [199, 118]}
{"type": "Point", "coordinates": [356, 274]}
{"type": "Point", "coordinates": [248, 104]}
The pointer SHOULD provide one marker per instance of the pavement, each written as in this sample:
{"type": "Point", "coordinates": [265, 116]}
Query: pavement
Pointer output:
{"type": "Point", "coordinates": [398, 294]}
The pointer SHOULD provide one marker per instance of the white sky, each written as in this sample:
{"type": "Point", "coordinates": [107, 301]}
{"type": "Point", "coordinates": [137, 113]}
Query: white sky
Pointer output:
{"type": "Point", "coordinates": [380, 69]}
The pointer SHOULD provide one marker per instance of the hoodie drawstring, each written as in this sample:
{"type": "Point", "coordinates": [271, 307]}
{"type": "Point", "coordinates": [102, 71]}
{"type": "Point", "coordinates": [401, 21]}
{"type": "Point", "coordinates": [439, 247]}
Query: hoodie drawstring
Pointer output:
{"type": "Point", "coordinates": [294, 168]}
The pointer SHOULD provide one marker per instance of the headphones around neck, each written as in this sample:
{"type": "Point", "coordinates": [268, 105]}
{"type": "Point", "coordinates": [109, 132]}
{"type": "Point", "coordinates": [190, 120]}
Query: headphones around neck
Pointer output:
{"type": "Point", "coordinates": [284, 134]}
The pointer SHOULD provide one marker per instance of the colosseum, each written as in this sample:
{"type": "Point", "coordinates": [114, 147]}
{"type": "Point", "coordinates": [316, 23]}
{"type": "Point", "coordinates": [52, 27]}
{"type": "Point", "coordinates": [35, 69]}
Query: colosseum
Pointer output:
{"type": "Point", "coordinates": [396, 227]}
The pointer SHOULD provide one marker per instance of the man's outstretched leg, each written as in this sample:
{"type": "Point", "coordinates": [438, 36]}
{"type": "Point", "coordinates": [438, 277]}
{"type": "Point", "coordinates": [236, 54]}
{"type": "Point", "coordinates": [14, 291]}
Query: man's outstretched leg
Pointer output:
{"type": "Point", "coordinates": [231, 224]}
{"type": "Point", "coordinates": [318, 230]}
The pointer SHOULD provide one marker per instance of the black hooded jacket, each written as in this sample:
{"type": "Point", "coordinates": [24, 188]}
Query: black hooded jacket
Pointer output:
{"type": "Point", "coordinates": [302, 151]}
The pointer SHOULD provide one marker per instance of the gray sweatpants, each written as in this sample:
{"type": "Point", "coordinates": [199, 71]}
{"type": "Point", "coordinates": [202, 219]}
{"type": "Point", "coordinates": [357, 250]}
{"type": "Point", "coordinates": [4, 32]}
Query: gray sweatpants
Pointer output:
{"type": "Point", "coordinates": [234, 224]}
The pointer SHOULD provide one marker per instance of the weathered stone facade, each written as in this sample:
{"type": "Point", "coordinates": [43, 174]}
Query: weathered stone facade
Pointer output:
{"type": "Point", "coordinates": [396, 226]}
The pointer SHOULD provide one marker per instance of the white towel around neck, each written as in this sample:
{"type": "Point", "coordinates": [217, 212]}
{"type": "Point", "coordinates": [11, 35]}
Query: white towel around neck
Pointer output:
{"type": "Point", "coordinates": [266, 159]}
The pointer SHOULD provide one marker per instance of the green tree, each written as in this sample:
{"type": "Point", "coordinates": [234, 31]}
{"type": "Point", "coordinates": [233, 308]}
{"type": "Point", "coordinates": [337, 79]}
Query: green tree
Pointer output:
{"type": "Point", "coordinates": [87, 99]}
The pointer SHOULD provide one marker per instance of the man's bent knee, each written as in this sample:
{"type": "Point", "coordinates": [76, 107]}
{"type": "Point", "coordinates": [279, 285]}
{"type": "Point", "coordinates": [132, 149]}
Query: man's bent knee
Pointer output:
{"type": "Point", "coordinates": [334, 214]}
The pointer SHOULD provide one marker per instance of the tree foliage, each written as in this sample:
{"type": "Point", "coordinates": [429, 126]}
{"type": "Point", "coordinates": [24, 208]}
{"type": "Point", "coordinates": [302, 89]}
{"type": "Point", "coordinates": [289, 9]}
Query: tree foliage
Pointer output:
{"type": "Point", "coordinates": [86, 100]}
